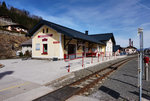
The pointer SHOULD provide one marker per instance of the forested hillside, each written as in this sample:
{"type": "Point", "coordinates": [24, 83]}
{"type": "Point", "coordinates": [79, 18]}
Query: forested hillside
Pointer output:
{"type": "Point", "coordinates": [22, 17]}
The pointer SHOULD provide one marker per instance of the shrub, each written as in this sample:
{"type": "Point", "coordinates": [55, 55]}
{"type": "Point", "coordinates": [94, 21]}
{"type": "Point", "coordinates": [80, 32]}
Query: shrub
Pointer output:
{"type": "Point", "coordinates": [27, 54]}
{"type": "Point", "coordinates": [21, 54]}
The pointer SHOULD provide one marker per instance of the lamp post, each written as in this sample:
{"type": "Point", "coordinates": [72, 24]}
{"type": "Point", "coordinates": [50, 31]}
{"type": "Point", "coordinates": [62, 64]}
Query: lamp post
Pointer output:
{"type": "Point", "coordinates": [140, 32]}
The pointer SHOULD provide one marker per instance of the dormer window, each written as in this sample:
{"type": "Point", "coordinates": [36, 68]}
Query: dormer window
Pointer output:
{"type": "Point", "coordinates": [43, 31]}
{"type": "Point", "coordinates": [46, 30]}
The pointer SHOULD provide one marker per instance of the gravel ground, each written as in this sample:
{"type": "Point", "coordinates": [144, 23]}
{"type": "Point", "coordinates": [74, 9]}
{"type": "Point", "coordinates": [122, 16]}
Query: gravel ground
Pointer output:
{"type": "Point", "coordinates": [123, 85]}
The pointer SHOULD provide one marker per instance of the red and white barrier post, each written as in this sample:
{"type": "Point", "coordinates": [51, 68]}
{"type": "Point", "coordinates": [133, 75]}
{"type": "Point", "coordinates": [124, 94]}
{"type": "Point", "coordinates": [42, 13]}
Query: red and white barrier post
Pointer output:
{"type": "Point", "coordinates": [68, 67]}
{"type": "Point", "coordinates": [82, 59]}
{"type": "Point", "coordinates": [106, 56]}
{"type": "Point", "coordinates": [103, 56]}
{"type": "Point", "coordinates": [98, 57]}
{"type": "Point", "coordinates": [92, 58]}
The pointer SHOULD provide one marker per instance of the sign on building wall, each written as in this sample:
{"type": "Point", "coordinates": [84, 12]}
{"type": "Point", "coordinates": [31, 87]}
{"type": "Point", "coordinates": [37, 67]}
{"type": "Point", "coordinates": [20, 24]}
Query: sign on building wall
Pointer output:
{"type": "Point", "coordinates": [41, 36]}
{"type": "Point", "coordinates": [44, 39]}
{"type": "Point", "coordinates": [56, 42]}
{"type": "Point", "coordinates": [38, 46]}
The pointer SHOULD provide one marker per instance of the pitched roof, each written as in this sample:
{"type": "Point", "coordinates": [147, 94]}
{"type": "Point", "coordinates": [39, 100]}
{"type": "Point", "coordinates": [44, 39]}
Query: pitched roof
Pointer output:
{"type": "Point", "coordinates": [116, 47]}
{"type": "Point", "coordinates": [27, 43]}
{"type": "Point", "coordinates": [104, 37]}
{"type": "Point", "coordinates": [131, 47]}
{"type": "Point", "coordinates": [64, 30]}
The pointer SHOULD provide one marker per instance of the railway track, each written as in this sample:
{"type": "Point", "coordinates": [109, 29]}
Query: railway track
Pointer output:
{"type": "Point", "coordinates": [83, 85]}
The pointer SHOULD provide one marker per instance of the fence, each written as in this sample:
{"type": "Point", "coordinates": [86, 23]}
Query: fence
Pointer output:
{"type": "Point", "coordinates": [85, 59]}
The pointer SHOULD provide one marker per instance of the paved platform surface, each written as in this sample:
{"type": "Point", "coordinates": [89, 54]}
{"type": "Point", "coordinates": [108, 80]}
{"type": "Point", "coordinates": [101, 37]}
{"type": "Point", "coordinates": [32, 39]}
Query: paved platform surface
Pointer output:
{"type": "Point", "coordinates": [123, 85]}
{"type": "Point", "coordinates": [81, 98]}
{"type": "Point", "coordinates": [23, 77]}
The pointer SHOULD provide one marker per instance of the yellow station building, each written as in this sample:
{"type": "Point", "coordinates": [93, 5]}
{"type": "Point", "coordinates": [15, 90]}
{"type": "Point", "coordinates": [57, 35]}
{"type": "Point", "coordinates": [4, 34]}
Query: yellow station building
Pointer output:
{"type": "Point", "coordinates": [51, 40]}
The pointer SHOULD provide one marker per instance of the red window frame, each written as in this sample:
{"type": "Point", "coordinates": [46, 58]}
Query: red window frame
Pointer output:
{"type": "Point", "coordinates": [43, 49]}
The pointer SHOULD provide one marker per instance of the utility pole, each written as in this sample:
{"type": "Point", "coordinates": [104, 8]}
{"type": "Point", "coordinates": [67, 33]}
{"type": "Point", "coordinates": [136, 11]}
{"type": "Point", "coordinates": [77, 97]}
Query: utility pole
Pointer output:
{"type": "Point", "coordinates": [140, 32]}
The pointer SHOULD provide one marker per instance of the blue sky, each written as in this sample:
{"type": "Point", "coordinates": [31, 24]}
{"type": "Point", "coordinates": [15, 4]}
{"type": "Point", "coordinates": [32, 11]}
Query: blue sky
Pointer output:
{"type": "Point", "coordinates": [122, 17]}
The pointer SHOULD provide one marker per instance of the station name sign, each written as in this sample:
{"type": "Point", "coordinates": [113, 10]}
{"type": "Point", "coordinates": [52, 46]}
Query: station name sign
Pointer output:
{"type": "Point", "coordinates": [42, 36]}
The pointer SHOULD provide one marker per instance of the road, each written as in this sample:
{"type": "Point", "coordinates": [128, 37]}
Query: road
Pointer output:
{"type": "Point", "coordinates": [123, 85]}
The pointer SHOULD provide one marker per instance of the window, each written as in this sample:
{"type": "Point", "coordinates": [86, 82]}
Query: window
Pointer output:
{"type": "Point", "coordinates": [43, 31]}
{"type": "Point", "coordinates": [46, 30]}
{"type": "Point", "coordinates": [44, 48]}
{"type": "Point", "coordinates": [37, 46]}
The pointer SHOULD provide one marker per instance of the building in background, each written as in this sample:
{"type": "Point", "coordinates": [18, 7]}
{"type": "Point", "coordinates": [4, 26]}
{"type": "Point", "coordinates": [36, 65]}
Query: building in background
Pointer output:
{"type": "Point", "coordinates": [118, 50]}
{"type": "Point", "coordinates": [108, 39]}
{"type": "Point", "coordinates": [130, 49]}
{"type": "Point", "coordinates": [16, 27]}
{"type": "Point", "coordinates": [27, 46]}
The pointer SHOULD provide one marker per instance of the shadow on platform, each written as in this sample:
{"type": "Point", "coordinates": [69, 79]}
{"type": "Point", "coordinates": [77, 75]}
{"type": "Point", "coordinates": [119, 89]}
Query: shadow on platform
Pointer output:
{"type": "Point", "coordinates": [143, 95]}
{"type": "Point", "coordinates": [128, 83]}
{"type": "Point", "coordinates": [5, 73]}
{"type": "Point", "coordinates": [111, 92]}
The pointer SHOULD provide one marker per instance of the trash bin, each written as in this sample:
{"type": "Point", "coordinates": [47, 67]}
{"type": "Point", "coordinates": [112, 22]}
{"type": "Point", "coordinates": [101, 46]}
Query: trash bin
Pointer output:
{"type": "Point", "coordinates": [55, 59]}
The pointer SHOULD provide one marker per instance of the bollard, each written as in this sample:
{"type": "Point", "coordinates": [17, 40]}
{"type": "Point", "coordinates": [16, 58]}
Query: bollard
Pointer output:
{"type": "Point", "coordinates": [146, 72]}
{"type": "Point", "coordinates": [98, 57]}
{"type": "Point", "coordinates": [103, 57]}
{"type": "Point", "coordinates": [82, 59]}
{"type": "Point", "coordinates": [92, 58]}
{"type": "Point", "coordinates": [68, 67]}
{"type": "Point", "coordinates": [65, 56]}
{"type": "Point", "coordinates": [146, 62]}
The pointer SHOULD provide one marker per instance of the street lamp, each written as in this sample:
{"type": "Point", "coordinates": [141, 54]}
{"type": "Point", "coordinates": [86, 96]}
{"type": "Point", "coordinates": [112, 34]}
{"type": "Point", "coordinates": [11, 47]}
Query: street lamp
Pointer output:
{"type": "Point", "coordinates": [140, 32]}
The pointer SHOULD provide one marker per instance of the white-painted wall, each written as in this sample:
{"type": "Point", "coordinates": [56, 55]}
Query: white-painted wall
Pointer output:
{"type": "Point", "coordinates": [109, 47]}
{"type": "Point", "coordinates": [25, 48]}
{"type": "Point", "coordinates": [130, 50]}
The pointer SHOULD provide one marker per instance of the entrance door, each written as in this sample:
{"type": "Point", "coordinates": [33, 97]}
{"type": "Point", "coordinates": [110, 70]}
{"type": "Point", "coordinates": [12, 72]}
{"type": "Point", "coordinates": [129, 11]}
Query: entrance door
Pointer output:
{"type": "Point", "coordinates": [72, 51]}
{"type": "Point", "coordinates": [44, 48]}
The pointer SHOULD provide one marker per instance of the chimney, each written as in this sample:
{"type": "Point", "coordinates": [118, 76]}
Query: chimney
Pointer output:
{"type": "Point", "coordinates": [86, 32]}
{"type": "Point", "coordinates": [130, 42]}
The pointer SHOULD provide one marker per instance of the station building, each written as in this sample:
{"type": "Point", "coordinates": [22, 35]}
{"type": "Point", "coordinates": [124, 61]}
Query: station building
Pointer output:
{"type": "Point", "coordinates": [50, 40]}
{"type": "Point", "coordinates": [108, 39]}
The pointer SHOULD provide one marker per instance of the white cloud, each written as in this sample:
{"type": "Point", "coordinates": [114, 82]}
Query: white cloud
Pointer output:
{"type": "Point", "coordinates": [121, 17]}
{"type": "Point", "coordinates": [144, 6]}
{"type": "Point", "coordinates": [62, 20]}
{"type": "Point", "coordinates": [121, 41]}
